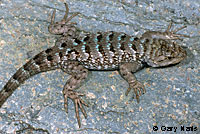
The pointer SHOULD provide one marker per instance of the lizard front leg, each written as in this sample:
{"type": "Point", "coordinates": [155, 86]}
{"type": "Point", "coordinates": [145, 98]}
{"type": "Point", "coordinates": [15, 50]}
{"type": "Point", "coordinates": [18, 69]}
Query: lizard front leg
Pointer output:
{"type": "Point", "coordinates": [126, 70]}
{"type": "Point", "coordinates": [78, 75]}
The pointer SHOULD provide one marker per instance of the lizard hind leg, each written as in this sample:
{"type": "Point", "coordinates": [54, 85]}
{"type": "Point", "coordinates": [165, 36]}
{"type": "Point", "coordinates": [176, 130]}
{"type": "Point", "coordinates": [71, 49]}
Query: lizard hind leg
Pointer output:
{"type": "Point", "coordinates": [78, 75]}
{"type": "Point", "coordinates": [63, 26]}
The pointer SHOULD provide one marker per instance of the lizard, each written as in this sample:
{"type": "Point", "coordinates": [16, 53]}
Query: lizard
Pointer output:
{"type": "Point", "coordinates": [77, 55]}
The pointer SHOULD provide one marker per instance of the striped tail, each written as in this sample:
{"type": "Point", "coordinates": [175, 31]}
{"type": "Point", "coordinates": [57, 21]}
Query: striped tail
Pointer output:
{"type": "Point", "coordinates": [40, 63]}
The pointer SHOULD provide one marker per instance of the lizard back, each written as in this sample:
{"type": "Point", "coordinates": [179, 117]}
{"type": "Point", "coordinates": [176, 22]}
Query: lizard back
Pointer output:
{"type": "Point", "coordinates": [103, 50]}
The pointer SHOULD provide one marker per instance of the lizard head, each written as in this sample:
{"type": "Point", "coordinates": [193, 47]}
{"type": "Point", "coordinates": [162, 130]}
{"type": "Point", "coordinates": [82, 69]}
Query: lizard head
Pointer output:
{"type": "Point", "coordinates": [163, 53]}
{"type": "Point", "coordinates": [161, 48]}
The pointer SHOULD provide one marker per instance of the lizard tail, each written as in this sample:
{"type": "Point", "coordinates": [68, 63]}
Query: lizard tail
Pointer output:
{"type": "Point", "coordinates": [42, 62]}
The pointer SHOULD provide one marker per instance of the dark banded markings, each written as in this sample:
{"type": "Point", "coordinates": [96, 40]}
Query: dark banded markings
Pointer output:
{"type": "Point", "coordinates": [123, 37]}
{"type": "Point", "coordinates": [86, 38]}
{"type": "Point", "coordinates": [48, 50]}
{"type": "Point", "coordinates": [87, 49]}
{"type": "Point", "coordinates": [49, 58]}
{"type": "Point", "coordinates": [99, 37]}
{"type": "Point", "coordinates": [60, 55]}
{"type": "Point", "coordinates": [111, 35]}
{"type": "Point", "coordinates": [112, 48]}
{"type": "Point", "coordinates": [122, 47]}
{"type": "Point", "coordinates": [63, 44]}
{"type": "Point", "coordinates": [77, 41]}
{"type": "Point", "coordinates": [134, 47]}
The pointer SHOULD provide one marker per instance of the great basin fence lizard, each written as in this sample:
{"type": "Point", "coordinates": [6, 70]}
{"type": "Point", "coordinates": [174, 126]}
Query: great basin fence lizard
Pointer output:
{"type": "Point", "coordinates": [76, 55]}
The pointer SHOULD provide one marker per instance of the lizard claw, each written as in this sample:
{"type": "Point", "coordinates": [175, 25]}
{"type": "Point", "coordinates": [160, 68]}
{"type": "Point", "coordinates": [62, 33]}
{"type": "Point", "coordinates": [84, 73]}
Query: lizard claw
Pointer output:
{"type": "Point", "coordinates": [137, 87]}
{"type": "Point", "coordinates": [75, 96]}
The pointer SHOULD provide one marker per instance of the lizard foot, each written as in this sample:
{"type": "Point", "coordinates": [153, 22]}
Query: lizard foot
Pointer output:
{"type": "Point", "coordinates": [75, 96]}
{"type": "Point", "coordinates": [63, 26]}
{"type": "Point", "coordinates": [138, 89]}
